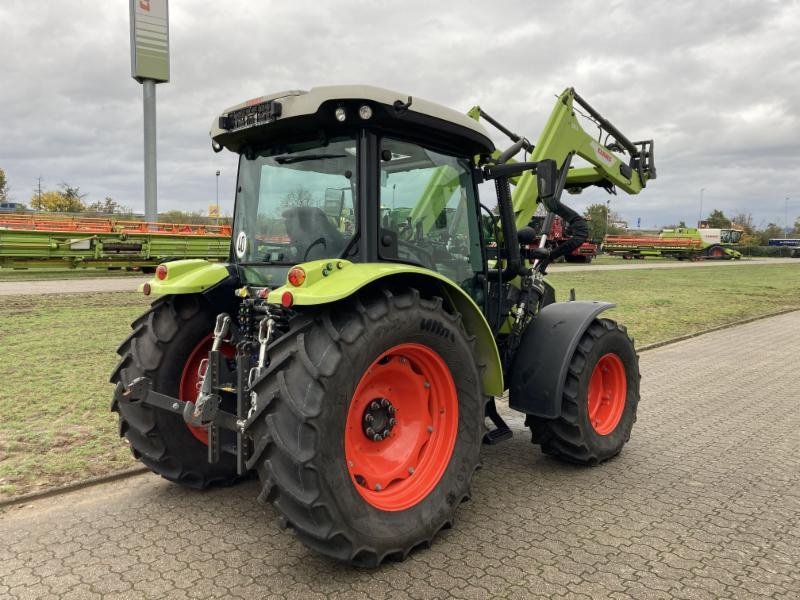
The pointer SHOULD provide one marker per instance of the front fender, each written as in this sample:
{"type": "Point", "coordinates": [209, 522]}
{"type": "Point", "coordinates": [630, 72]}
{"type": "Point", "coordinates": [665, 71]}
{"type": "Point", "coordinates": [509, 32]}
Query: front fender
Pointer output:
{"type": "Point", "coordinates": [544, 354]}
{"type": "Point", "coordinates": [332, 280]}
{"type": "Point", "coordinates": [189, 276]}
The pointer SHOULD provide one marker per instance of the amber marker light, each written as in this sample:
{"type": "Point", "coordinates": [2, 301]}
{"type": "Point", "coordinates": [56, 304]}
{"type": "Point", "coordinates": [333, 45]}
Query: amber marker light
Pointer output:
{"type": "Point", "coordinates": [296, 276]}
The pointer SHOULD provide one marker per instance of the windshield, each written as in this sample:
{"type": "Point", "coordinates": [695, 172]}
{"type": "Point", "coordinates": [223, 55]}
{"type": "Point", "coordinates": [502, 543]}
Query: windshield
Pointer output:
{"type": "Point", "coordinates": [296, 205]}
{"type": "Point", "coordinates": [730, 236]}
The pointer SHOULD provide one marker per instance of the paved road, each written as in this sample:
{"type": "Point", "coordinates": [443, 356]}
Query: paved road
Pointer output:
{"type": "Point", "coordinates": [71, 286]}
{"type": "Point", "coordinates": [704, 502]}
{"type": "Point", "coordinates": [127, 284]}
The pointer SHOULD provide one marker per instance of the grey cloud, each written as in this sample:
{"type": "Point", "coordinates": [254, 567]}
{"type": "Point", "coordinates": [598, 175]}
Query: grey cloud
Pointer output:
{"type": "Point", "coordinates": [716, 84]}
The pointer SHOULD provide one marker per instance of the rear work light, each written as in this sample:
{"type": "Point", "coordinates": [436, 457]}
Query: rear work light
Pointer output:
{"type": "Point", "coordinates": [161, 272]}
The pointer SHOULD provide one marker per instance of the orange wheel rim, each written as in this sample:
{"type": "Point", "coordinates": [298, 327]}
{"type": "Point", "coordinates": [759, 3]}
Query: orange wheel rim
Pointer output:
{"type": "Point", "coordinates": [608, 388]}
{"type": "Point", "coordinates": [401, 427]}
{"type": "Point", "coordinates": [190, 377]}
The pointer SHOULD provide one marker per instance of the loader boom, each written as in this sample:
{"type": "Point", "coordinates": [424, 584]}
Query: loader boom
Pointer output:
{"type": "Point", "coordinates": [562, 138]}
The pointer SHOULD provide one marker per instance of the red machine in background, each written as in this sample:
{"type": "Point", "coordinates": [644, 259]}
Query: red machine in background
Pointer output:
{"type": "Point", "coordinates": [558, 234]}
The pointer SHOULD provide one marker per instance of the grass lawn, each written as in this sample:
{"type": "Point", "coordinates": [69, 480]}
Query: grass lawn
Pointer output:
{"type": "Point", "coordinates": [56, 353]}
{"type": "Point", "coordinates": [660, 304]}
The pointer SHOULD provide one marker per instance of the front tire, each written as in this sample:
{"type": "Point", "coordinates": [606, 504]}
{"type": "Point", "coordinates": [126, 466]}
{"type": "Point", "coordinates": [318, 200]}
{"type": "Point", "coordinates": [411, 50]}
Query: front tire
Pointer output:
{"type": "Point", "coordinates": [346, 493]}
{"type": "Point", "coordinates": [165, 344]}
{"type": "Point", "coordinates": [599, 402]}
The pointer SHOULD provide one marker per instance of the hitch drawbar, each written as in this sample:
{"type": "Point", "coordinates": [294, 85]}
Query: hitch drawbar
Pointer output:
{"type": "Point", "coordinates": [209, 415]}
{"type": "Point", "coordinates": [216, 378]}
{"type": "Point", "coordinates": [141, 390]}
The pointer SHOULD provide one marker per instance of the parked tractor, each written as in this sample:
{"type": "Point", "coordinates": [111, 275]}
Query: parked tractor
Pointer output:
{"type": "Point", "coordinates": [353, 347]}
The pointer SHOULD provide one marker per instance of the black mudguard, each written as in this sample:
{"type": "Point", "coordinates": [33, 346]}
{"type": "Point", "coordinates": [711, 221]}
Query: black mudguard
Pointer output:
{"type": "Point", "coordinates": [537, 376]}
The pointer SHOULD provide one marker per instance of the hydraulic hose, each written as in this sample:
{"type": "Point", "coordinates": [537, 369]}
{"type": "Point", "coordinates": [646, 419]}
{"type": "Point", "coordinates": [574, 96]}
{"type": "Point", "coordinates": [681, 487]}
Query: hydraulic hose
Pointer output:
{"type": "Point", "coordinates": [513, 259]}
{"type": "Point", "coordinates": [579, 228]}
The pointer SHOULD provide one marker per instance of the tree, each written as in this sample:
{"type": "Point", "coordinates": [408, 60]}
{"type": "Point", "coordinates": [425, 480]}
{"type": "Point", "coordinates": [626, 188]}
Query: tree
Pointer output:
{"type": "Point", "coordinates": [771, 231]}
{"type": "Point", "coordinates": [599, 226]}
{"type": "Point", "coordinates": [796, 225]}
{"type": "Point", "coordinates": [299, 196]}
{"type": "Point", "coordinates": [66, 199]}
{"type": "Point", "coordinates": [57, 201]}
{"type": "Point", "coordinates": [3, 186]}
{"type": "Point", "coordinates": [743, 221]}
{"type": "Point", "coordinates": [109, 206]}
{"type": "Point", "coordinates": [179, 216]}
{"type": "Point", "coordinates": [680, 225]}
{"type": "Point", "coordinates": [717, 220]}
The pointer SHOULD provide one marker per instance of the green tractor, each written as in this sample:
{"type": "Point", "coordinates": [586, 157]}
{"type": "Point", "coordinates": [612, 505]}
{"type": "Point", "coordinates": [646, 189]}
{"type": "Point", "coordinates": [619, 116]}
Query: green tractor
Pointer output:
{"type": "Point", "coordinates": [351, 350]}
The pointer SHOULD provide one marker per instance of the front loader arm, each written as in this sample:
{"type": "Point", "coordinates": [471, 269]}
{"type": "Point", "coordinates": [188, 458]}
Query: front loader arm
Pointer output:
{"type": "Point", "coordinates": [562, 138]}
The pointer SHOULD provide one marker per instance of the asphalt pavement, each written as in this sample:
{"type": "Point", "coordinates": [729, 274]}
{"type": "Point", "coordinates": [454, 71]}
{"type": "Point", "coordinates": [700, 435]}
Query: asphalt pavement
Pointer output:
{"type": "Point", "coordinates": [704, 502]}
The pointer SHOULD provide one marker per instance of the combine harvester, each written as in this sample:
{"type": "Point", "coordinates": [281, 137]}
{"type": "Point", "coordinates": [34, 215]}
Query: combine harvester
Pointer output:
{"type": "Point", "coordinates": [46, 241]}
{"type": "Point", "coordinates": [683, 243]}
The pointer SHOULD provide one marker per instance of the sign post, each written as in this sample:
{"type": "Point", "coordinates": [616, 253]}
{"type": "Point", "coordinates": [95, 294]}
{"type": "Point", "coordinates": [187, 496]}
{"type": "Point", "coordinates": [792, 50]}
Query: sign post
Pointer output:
{"type": "Point", "coordinates": [149, 66]}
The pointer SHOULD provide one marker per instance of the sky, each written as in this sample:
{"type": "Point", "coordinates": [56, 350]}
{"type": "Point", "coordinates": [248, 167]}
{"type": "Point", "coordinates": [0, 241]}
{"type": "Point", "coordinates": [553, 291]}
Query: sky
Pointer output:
{"type": "Point", "coordinates": [715, 84]}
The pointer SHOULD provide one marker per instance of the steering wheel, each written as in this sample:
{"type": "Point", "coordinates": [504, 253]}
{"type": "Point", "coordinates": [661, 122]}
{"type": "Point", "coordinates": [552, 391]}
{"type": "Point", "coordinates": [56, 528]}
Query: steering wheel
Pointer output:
{"type": "Point", "coordinates": [316, 242]}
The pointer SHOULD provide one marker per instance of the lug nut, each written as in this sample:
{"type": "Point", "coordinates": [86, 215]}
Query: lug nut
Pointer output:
{"type": "Point", "coordinates": [386, 434]}
{"type": "Point", "coordinates": [370, 432]}
{"type": "Point", "coordinates": [377, 437]}
{"type": "Point", "coordinates": [369, 418]}
{"type": "Point", "coordinates": [384, 402]}
{"type": "Point", "coordinates": [391, 422]}
{"type": "Point", "coordinates": [374, 405]}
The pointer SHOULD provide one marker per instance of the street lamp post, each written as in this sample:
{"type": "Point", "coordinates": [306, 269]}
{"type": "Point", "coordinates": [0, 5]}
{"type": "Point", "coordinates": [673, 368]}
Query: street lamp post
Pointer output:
{"type": "Point", "coordinates": [608, 215]}
{"type": "Point", "coordinates": [700, 220]}
{"type": "Point", "coordinates": [218, 197]}
{"type": "Point", "coordinates": [786, 217]}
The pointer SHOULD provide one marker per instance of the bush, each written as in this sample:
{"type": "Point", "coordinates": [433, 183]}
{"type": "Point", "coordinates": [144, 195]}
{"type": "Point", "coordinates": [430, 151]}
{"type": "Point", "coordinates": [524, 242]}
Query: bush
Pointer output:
{"type": "Point", "coordinates": [768, 251]}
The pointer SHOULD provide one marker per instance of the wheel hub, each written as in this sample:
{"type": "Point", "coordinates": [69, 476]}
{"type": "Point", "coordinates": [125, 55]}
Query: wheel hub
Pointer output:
{"type": "Point", "coordinates": [379, 419]}
{"type": "Point", "coordinates": [401, 427]}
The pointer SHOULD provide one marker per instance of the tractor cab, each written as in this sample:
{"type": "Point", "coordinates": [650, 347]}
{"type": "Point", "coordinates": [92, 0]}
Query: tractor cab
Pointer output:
{"type": "Point", "coordinates": [357, 174]}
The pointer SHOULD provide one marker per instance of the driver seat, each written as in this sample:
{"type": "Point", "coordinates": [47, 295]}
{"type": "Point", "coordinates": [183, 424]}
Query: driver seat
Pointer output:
{"type": "Point", "coordinates": [306, 226]}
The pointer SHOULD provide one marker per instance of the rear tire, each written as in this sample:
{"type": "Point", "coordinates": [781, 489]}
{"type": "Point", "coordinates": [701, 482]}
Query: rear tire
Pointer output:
{"type": "Point", "coordinates": [604, 365]}
{"type": "Point", "coordinates": [303, 440]}
{"type": "Point", "coordinates": [162, 341]}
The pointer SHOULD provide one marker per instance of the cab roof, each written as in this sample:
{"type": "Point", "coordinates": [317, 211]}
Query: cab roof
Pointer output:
{"type": "Point", "coordinates": [291, 115]}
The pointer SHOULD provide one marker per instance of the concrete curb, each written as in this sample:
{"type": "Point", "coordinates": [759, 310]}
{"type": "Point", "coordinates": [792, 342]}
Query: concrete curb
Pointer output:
{"type": "Point", "coordinates": [72, 487]}
{"type": "Point", "coordinates": [689, 336]}
{"type": "Point", "coordinates": [124, 474]}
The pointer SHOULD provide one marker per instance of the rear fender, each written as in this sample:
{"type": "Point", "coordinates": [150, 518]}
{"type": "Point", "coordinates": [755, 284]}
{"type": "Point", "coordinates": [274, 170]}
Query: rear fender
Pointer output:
{"type": "Point", "coordinates": [540, 365]}
{"type": "Point", "coordinates": [329, 281]}
{"type": "Point", "coordinates": [190, 276]}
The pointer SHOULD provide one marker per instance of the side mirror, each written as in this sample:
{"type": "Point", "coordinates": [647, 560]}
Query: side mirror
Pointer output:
{"type": "Point", "coordinates": [547, 180]}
